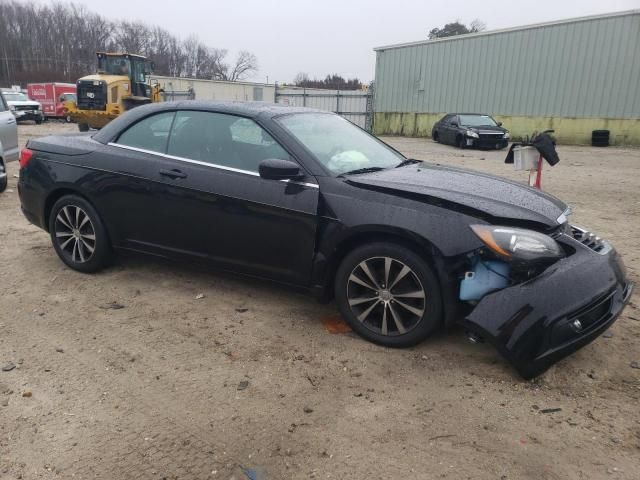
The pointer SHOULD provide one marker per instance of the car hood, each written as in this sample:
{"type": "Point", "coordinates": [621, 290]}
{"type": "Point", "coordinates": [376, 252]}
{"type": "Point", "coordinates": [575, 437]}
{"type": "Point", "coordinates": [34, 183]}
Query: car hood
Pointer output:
{"type": "Point", "coordinates": [477, 194]}
{"type": "Point", "coordinates": [27, 103]}
{"type": "Point", "coordinates": [485, 128]}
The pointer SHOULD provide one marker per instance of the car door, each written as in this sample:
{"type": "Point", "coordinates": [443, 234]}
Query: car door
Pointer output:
{"type": "Point", "coordinates": [216, 206]}
{"type": "Point", "coordinates": [122, 187]}
{"type": "Point", "coordinates": [8, 132]}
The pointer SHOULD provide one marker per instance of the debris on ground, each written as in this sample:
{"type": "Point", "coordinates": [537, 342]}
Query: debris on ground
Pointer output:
{"type": "Point", "coordinates": [8, 367]}
{"type": "Point", "coordinates": [200, 296]}
{"type": "Point", "coordinates": [112, 306]}
{"type": "Point", "coordinates": [607, 335]}
{"type": "Point", "coordinates": [60, 350]}
{"type": "Point", "coordinates": [635, 364]}
{"type": "Point", "coordinates": [242, 310]}
{"type": "Point", "coordinates": [307, 410]}
{"type": "Point", "coordinates": [551, 410]}
{"type": "Point", "coordinates": [243, 385]}
{"type": "Point", "coordinates": [335, 324]}
{"type": "Point", "coordinates": [27, 394]}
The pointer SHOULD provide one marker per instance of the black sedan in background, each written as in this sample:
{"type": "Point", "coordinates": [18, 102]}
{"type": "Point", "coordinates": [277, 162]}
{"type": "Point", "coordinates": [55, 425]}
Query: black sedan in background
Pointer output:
{"type": "Point", "coordinates": [305, 198]}
{"type": "Point", "coordinates": [470, 130]}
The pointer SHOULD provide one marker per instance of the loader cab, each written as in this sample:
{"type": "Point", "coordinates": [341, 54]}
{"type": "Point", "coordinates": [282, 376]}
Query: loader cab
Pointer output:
{"type": "Point", "coordinates": [135, 67]}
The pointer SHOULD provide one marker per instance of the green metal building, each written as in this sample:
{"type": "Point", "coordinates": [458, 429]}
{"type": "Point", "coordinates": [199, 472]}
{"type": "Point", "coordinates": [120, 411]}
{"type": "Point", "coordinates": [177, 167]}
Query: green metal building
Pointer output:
{"type": "Point", "coordinates": [574, 76]}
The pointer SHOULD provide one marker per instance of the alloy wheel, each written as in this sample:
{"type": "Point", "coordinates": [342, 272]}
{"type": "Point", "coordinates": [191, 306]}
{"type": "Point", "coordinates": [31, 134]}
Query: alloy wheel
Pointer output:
{"type": "Point", "coordinates": [386, 296]}
{"type": "Point", "coordinates": [75, 234]}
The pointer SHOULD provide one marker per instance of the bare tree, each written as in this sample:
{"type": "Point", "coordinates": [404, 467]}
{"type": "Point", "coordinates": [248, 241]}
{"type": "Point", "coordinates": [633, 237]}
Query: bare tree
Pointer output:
{"type": "Point", "coordinates": [58, 41]}
{"type": "Point", "coordinates": [245, 64]}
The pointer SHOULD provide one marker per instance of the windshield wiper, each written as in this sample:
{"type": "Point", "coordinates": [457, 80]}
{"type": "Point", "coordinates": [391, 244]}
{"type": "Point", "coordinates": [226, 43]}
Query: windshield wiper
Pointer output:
{"type": "Point", "coordinates": [408, 161]}
{"type": "Point", "coordinates": [361, 170]}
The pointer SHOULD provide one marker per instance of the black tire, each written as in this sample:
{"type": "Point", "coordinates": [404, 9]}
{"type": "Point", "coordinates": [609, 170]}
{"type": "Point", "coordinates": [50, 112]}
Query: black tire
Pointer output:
{"type": "Point", "coordinates": [436, 137]}
{"type": "Point", "coordinates": [416, 327]}
{"type": "Point", "coordinates": [61, 220]}
{"type": "Point", "coordinates": [3, 184]}
{"type": "Point", "coordinates": [83, 127]}
{"type": "Point", "coordinates": [67, 119]}
{"type": "Point", "coordinates": [460, 142]}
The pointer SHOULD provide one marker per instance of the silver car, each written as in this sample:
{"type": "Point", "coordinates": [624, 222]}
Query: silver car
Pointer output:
{"type": "Point", "coordinates": [8, 140]}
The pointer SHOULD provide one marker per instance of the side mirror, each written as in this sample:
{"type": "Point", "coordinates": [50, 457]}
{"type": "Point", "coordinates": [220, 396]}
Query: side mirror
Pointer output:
{"type": "Point", "coordinates": [454, 124]}
{"type": "Point", "coordinates": [499, 124]}
{"type": "Point", "coordinates": [276, 169]}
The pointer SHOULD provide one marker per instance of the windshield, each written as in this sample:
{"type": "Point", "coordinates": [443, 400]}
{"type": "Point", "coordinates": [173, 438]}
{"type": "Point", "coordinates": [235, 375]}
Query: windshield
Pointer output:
{"type": "Point", "coordinates": [338, 144]}
{"type": "Point", "coordinates": [114, 65]}
{"type": "Point", "coordinates": [15, 97]}
{"type": "Point", "coordinates": [477, 121]}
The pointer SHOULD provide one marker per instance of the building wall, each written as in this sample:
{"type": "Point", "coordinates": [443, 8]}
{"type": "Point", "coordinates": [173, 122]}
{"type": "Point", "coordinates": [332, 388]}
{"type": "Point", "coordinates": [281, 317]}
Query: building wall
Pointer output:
{"type": "Point", "coordinates": [218, 90]}
{"type": "Point", "coordinates": [351, 104]}
{"type": "Point", "coordinates": [574, 76]}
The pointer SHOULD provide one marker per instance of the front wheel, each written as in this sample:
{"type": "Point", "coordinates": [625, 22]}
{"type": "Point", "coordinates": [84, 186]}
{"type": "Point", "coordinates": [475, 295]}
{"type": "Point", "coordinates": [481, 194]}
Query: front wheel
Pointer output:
{"type": "Point", "coordinates": [461, 142]}
{"type": "Point", "coordinates": [3, 183]}
{"type": "Point", "coordinates": [388, 294]}
{"type": "Point", "coordinates": [78, 235]}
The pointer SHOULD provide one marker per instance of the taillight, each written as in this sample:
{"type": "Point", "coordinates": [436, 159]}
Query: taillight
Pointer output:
{"type": "Point", "coordinates": [25, 157]}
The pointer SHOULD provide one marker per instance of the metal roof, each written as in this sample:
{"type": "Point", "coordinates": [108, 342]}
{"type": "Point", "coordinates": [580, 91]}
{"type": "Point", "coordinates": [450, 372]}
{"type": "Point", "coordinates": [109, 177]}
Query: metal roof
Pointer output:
{"type": "Point", "coordinates": [511, 29]}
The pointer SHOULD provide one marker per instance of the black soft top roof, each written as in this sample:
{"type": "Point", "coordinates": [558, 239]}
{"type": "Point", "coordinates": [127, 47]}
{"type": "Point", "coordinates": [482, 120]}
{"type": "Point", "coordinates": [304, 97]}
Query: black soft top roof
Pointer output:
{"type": "Point", "coordinates": [244, 109]}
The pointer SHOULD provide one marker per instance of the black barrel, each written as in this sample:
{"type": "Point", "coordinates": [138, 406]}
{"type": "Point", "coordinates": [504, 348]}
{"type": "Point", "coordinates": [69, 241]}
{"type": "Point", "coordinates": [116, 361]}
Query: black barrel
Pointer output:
{"type": "Point", "coordinates": [600, 138]}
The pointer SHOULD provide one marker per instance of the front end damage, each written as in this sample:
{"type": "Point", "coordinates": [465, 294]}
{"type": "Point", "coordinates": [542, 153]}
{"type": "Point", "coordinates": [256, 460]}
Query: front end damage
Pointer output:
{"type": "Point", "coordinates": [537, 321]}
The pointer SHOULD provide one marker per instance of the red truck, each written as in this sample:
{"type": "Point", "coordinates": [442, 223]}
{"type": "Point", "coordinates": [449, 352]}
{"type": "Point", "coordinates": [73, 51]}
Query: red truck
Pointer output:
{"type": "Point", "coordinates": [52, 97]}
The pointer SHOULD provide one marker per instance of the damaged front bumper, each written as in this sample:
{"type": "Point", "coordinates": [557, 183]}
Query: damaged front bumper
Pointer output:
{"type": "Point", "coordinates": [536, 323]}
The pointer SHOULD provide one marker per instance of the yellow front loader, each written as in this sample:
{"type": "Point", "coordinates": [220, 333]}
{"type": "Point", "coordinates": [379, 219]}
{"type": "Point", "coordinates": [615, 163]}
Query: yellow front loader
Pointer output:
{"type": "Point", "coordinates": [120, 84]}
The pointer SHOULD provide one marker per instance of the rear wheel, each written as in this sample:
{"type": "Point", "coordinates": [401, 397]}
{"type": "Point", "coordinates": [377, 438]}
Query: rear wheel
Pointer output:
{"type": "Point", "coordinates": [388, 294]}
{"type": "Point", "coordinates": [78, 234]}
{"type": "Point", "coordinates": [3, 182]}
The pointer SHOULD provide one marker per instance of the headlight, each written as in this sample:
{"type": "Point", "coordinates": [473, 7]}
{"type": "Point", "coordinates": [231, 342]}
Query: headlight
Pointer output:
{"type": "Point", "coordinates": [471, 133]}
{"type": "Point", "coordinates": [506, 135]}
{"type": "Point", "coordinates": [12, 108]}
{"type": "Point", "coordinates": [518, 244]}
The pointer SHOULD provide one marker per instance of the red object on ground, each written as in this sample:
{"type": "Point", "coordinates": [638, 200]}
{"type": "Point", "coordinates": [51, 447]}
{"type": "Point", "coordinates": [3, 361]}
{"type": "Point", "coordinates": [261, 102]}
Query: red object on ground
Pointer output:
{"type": "Point", "coordinates": [48, 94]}
{"type": "Point", "coordinates": [335, 324]}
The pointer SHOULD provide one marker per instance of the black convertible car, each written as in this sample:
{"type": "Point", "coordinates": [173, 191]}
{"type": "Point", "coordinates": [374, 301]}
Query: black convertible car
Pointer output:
{"type": "Point", "coordinates": [306, 198]}
{"type": "Point", "coordinates": [466, 130]}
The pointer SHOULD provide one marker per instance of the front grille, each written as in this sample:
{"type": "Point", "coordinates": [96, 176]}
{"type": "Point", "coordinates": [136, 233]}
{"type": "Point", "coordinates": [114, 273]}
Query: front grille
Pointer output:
{"type": "Point", "coordinates": [25, 107]}
{"type": "Point", "coordinates": [589, 240]}
{"type": "Point", "coordinates": [91, 96]}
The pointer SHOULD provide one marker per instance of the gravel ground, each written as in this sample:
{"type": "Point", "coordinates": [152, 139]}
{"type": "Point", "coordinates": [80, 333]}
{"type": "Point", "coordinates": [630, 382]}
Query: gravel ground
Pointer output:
{"type": "Point", "coordinates": [131, 374]}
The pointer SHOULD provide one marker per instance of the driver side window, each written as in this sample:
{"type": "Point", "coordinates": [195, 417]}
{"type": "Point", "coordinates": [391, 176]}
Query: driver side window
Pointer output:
{"type": "Point", "coordinates": [222, 140]}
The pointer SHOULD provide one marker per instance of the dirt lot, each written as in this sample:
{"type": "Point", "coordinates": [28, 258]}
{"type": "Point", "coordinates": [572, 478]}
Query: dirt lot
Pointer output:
{"type": "Point", "coordinates": [128, 374]}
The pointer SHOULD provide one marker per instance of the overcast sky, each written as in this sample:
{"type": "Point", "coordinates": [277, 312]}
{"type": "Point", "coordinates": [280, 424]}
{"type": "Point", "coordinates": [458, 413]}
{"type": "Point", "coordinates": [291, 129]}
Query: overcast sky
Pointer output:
{"type": "Point", "coordinates": [333, 36]}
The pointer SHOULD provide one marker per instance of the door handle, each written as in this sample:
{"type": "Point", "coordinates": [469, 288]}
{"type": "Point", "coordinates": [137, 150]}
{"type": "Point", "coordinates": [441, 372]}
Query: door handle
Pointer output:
{"type": "Point", "coordinates": [175, 173]}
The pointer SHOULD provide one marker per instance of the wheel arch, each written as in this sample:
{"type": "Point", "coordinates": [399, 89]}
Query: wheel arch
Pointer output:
{"type": "Point", "coordinates": [55, 195]}
{"type": "Point", "coordinates": [365, 235]}
{"type": "Point", "coordinates": [444, 268]}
